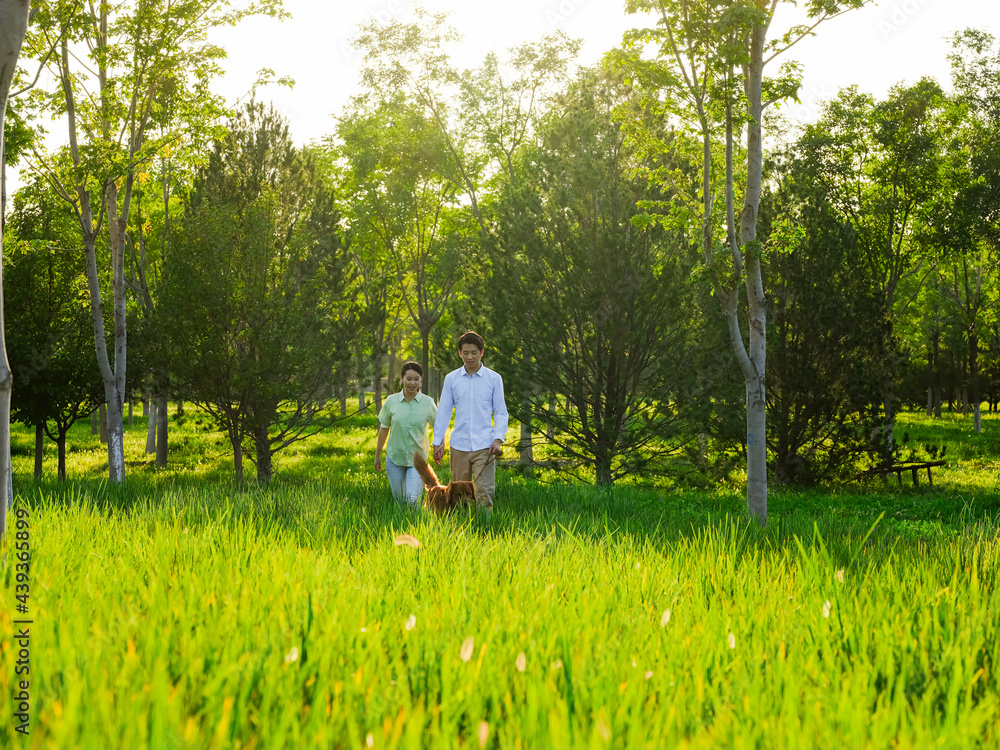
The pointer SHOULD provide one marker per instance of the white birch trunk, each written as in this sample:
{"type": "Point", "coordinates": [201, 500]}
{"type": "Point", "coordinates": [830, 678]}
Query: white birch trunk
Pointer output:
{"type": "Point", "coordinates": [752, 359]}
{"type": "Point", "coordinates": [13, 27]}
{"type": "Point", "coordinates": [113, 380]}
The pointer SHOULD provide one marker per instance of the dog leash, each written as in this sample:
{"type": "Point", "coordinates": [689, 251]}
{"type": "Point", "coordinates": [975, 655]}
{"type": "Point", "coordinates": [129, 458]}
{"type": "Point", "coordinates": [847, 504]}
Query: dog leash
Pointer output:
{"type": "Point", "coordinates": [488, 462]}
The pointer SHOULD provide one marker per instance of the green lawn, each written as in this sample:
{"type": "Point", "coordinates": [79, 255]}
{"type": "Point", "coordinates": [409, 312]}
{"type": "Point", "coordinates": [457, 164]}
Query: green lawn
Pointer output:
{"type": "Point", "coordinates": [183, 612]}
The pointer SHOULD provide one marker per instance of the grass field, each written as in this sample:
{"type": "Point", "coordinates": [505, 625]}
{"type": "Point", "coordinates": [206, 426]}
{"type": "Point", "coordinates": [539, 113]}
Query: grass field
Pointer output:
{"type": "Point", "coordinates": [182, 612]}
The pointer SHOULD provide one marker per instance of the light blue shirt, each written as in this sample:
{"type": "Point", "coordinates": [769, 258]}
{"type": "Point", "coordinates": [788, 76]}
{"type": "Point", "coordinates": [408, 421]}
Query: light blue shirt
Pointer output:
{"type": "Point", "coordinates": [480, 411]}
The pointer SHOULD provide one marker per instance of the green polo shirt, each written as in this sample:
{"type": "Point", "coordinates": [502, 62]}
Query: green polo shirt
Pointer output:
{"type": "Point", "coordinates": [407, 422]}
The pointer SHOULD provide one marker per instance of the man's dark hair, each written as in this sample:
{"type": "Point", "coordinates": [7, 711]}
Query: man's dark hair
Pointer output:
{"type": "Point", "coordinates": [471, 337]}
{"type": "Point", "coordinates": [411, 365]}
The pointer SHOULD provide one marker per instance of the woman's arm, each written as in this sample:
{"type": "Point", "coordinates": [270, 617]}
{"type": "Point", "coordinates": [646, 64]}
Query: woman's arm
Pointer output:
{"type": "Point", "coordinates": [383, 433]}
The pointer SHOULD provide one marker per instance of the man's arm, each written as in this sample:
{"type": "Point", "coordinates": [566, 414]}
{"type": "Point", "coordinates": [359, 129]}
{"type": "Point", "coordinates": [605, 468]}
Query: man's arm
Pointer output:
{"type": "Point", "coordinates": [501, 419]}
{"type": "Point", "coordinates": [443, 418]}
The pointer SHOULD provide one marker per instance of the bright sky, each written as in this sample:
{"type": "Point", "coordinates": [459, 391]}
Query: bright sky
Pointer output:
{"type": "Point", "coordinates": [876, 47]}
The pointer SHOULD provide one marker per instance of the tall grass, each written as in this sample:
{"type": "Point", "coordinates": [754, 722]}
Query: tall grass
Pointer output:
{"type": "Point", "coordinates": [185, 614]}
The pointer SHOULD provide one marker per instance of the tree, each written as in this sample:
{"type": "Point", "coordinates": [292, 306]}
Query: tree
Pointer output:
{"type": "Point", "coordinates": [975, 69]}
{"type": "Point", "coordinates": [13, 27]}
{"type": "Point", "coordinates": [825, 345]}
{"type": "Point", "coordinates": [116, 67]}
{"type": "Point", "coordinates": [351, 162]}
{"type": "Point", "coordinates": [880, 164]}
{"type": "Point", "coordinates": [51, 339]}
{"type": "Point", "coordinates": [404, 211]}
{"type": "Point", "coordinates": [479, 118]}
{"type": "Point", "coordinates": [580, 288]}
{"type": "Point", "coordinates": [260, 291]}
{"type": "Point", "coordinates": [709, 76]}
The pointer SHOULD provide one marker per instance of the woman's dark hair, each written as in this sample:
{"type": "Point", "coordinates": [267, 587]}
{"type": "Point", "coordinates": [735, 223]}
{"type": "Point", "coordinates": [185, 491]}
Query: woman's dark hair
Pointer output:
{"type": "Point", "coordinates": [411, 365]}
{"type": "Point", "coordinates": [471, 337]}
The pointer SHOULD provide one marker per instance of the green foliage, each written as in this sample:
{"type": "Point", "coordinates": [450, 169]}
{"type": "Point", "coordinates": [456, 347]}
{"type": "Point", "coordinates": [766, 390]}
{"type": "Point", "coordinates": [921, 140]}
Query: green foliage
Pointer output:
{"type": "Point", "coordinates": [827, 359]}
{"type": "Point", "coordinates": [49, 331]}
{"type": "Point", "coordinates": [598, 330]}
{"type": "Point", "coordinates": [260, 295]}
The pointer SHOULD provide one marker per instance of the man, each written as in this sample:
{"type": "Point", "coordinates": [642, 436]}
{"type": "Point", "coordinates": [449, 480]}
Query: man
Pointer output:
{"type": "Point", "coordinates": [475, 392]}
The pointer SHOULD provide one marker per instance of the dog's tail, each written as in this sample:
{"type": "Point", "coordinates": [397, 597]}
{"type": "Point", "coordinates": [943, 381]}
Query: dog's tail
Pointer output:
{"type": "Point", "coordinates": [424, 470]}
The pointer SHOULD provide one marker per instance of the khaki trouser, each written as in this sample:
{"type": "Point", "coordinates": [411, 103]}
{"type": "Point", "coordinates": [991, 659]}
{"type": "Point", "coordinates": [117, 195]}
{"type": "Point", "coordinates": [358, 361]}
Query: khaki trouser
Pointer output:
{"type": "Point", "coordinates": [466, 465]}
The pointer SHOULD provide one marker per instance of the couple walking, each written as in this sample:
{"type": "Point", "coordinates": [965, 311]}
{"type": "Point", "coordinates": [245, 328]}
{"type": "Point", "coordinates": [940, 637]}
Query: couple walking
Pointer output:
{"type": "Point", "coordinates": [475, 394]}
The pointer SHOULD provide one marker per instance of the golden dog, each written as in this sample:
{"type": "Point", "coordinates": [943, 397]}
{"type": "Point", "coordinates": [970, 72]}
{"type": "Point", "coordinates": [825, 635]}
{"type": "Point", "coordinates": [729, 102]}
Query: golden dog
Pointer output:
{"type": "Point", "coordinates": [442, 498]}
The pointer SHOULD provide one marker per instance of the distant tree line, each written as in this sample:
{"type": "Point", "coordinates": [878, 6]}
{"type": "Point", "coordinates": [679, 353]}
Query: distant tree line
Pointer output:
{"type": "Point", "coordinates": [551, 211]}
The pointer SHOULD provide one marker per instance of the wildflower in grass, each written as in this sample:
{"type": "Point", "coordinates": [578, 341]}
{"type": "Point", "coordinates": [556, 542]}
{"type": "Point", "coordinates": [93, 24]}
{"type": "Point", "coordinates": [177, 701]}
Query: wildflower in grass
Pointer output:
{"type": "Point", "coordinates": [408, 540]}
{"type": "Point", "coordinates": [411, 622]}
{"type": "Point", "coordinates": [520, 662]}
{"type": "Point", "coordinates": [292, 655]}
{"type": "Point", "coordinates": [483, 732]}
{"type": "Point", "coordinates": [839, 575]}
{"type": "Point", "coordinates": [603, 730]}
{"type": "Point", "coordinates": [370, 740]}
{"type": "Point", "coordinates": [826, 608]}
{"type": "Point", "coordinates": [649, 674]}
{"type": "Point", "coordinates": [732, 641]}
{"type": "Point", "coordinates": [665, 619]}
{"type": "Point", "coordinates": [467, 646]}
{"type": "Point", "coordinates": [557, 664]}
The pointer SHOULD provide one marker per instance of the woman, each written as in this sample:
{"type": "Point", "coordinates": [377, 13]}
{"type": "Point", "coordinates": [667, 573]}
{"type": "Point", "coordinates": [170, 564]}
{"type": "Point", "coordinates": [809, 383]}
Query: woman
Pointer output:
{"type": "Point", "coordinates": [403, 420]}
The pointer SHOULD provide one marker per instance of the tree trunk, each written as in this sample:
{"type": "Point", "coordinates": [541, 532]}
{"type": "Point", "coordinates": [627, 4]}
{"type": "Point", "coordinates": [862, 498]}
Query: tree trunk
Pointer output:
{"type": "Point", "coordinates": [889, 426]}
{"type": "Point", "coordinates": [974, 380]}
{"type": "Point", "coordinates": [425, 357]}
{"type": "Point", "coordinates": [391, 377]}
{"type": "Point", "coordinates": [110, 378]}
{"type": "Point", "coordinates": [13, 27]}
{"type": "Point", "coordinates": [116, 394]}
{"type": "Point", "coordinates": [930, 374]}
{"type": "Point", "coordinates": [116, 446]}
{"type": "Point", "coordinates": [341, 392]}
{"type": "Point", "coordinates": [602, 466]}
{"type": "Point", "coordinates": [263, 452]}
{"type": "Point", "coordinates": [753, 358]}
{"type": "Point", "coordinates": [362, 406]}
{"type": "Point", "coordinates": [39, 448]}
{"type": "Point", "coordinates": [61, 448]}
{"type": "Point", "coordinates": [151, 428]}
{"type": "Point", "coordinates": [377, 362]}
{"type": "Point", "coordinates": [237, 442]}
{"type": "Point", "coordinates": [103, 421]}
{"type": "Point", "coordinates": [162, 423]}
{"type": "Point", "coordinates": [526, 453]}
